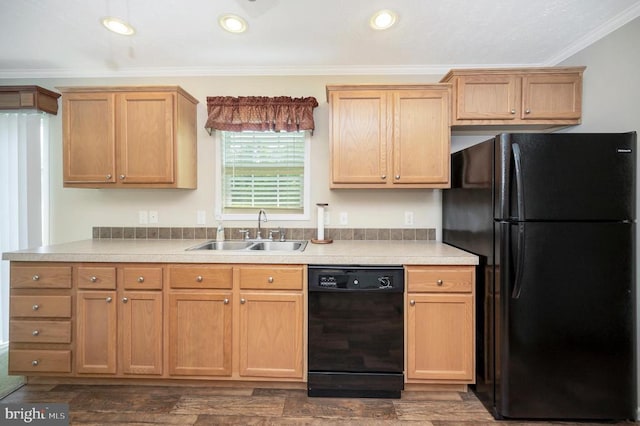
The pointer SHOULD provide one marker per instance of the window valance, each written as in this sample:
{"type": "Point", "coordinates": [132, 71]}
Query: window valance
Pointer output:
{"type": "Point", "coordinates": [260, 113]}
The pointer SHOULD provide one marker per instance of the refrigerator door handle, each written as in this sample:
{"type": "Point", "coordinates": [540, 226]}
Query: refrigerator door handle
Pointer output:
{"type": "Point", "coordinates": [517, 158]}
{"type": "Point", "coordinates": [517, 284]}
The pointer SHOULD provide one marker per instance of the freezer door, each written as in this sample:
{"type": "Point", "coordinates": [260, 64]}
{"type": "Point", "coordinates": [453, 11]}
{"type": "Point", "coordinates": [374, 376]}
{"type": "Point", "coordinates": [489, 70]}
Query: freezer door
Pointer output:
{"type": "Point", "coordinates": [565, 176]}
{"type": "Point", "coordinates": [567, 321]}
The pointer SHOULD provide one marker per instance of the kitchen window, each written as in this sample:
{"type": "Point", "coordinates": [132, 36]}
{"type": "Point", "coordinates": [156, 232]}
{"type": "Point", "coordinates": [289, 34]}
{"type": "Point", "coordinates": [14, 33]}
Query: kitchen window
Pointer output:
{"type": "Point", "coordinates": [263, 170]}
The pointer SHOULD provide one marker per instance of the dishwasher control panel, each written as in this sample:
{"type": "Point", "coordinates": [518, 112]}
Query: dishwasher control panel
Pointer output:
{"type": "Point", "coordinates": [356, 278]}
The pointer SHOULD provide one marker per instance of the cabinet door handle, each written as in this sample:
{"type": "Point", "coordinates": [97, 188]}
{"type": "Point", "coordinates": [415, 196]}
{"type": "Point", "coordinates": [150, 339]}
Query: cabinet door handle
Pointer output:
{"type": "Point", "coordinates": [397, 177]}
{"type": "Point", "coordinates": [513, 111]}
{"type": "Point", "coordinates": [383, 177]}
{"type": "Point", "coordinates": [439, 282]}
{"type": "Point", "coordinates": [36, 277]}
{"type": "Point", "coordinates": [122, 177]}
{"type": "Point", "coordinates": [199, 278]}
{"type": "Point", "coordinates": [35, 332]}
{"type": "Point", "coordinates": [226, 301]}
{"type": "Point", "coordinates": [527, 111]}
{"type": "Point", "coordinates": [412, 303]}
{"type": "Point", "coordinates": [35, 363]}
{"type": "Point", "coordinates": [108, 299]}
{"type": "Point", "coordinates": [93, 279]}
{"type": "Point", "coordinates": [140, 279]}
{"type": "Point", "coordinates": [270, 279]}
{"type": "Point", "coordinates": [125, 300]}
{"type": "Point", "coordinates": [243, 301]}
{"type": "Point", "coordinates": [108, 177]}
{"type": "Point", "coordinates": [35, 307]}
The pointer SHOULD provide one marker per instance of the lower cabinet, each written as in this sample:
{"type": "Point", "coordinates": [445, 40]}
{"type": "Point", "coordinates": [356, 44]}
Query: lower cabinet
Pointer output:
{"type": "Point", "coordinates": [237, 321]}
{"type": "Point", "coordinates": [119, 331]}
{"type": "Point", "coordinates": [440, 324]}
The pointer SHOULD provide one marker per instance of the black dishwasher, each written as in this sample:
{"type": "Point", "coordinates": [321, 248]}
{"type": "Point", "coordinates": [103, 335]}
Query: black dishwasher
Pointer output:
{"type": "Point", "coordinates": [356, 331]}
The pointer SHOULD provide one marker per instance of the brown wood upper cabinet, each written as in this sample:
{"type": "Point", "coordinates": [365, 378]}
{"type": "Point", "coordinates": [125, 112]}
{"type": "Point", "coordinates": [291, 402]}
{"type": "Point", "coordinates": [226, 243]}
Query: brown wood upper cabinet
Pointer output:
{"type": "Point", "coordinates": [129, 137]}
{"type": "Point", "coordinates": [389, 136]}
{"type": "Point", "coordinates": [529, 97]}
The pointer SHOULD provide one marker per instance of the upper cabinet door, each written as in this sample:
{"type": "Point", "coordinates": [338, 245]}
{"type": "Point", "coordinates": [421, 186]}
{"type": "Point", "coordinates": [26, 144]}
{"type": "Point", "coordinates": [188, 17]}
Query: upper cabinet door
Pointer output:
{"type": "Point", "coordinates": [487, 97]}
{"type": "Point", "coordinates": [89, 137]}
{"type": "Point", "coordinates": [360, 129]}
{"type": "Point", "coordinates": [421, 136]}
{"type": "Point", "coordinates": [146, 137]}
{"type": "Point", "coordinates": [552, 96]}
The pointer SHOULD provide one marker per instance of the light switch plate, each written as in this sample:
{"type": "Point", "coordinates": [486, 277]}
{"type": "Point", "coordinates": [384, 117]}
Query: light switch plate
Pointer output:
{"type": "Point", "coordinates": [143, 217]}
{"type": "Point", "coordinates": [344, 218]}
{"type": "Point", "coordinates": [153, 216]}
{"type": "Point", "coordinates": [201, 217]}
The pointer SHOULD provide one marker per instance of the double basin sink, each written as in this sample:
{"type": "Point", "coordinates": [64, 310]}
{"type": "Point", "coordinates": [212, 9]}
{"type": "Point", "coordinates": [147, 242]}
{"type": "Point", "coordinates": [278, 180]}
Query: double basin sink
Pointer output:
{"type": "Point", "coordinates": [256, 245]}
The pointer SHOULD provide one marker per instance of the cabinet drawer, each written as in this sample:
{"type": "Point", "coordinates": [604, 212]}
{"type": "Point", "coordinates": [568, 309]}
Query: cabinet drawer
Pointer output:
{"type": "Point", "coordinates": [37, 276]}
{"type": "Point", "coordinates": [142, 278]}
{"type": "Point", "coordinates": [39, 361]}
{"type": "Point", "coordinates": [40, 331]}
{"type": "Point", "coordinates": [271, 277]}
{"type": "Point", "coordinates": [201, 276]}
{"type": "Point", "coordinates": [450, 279]}
{"type": "Point", "coordinates": [96, 277]}
{"type": "Point", "coordinates": [41, 306]}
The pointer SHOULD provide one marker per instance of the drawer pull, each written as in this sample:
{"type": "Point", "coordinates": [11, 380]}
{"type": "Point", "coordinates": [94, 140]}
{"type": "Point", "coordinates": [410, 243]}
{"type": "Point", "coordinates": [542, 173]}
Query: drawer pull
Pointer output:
{"type": "Point", "coordinates": [35, 363]}
{"type": "Point", "coordinates": [412, 303]}
{"type": "Point", "coordinates": [141, 279]}
{"type": "Point", "coordinates": [93, 279]}
{"type": "Point", "coordinates": [35, 332]}
{"type": "Point", "coordinates": [439, 282]}
{"type": "Point", "coordinates": [108, 299]}
{"type": "Point", "coordinates": [270, 279]}
{"type": "Point", "coordinates": [36, 277]}
{"type": "Point", "coordinates": [125, 300]}
{"type": "Point", "coordinates": [35, 307]}
{"type": "Point", "coordinates": [243, 301]}
{"type": "Point", "coordinates": [199, 278]}
{"type": "Point", "coordinates": [226, 301]}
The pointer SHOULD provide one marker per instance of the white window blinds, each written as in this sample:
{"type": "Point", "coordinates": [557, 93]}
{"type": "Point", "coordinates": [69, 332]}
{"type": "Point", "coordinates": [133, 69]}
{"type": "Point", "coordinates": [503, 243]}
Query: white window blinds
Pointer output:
{"type": "Point", "coordinates": [263, 170]}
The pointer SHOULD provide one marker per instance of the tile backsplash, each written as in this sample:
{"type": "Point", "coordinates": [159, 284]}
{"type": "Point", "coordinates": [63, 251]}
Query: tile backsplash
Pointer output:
{"type": "Point", "coordinates": [190, 233]}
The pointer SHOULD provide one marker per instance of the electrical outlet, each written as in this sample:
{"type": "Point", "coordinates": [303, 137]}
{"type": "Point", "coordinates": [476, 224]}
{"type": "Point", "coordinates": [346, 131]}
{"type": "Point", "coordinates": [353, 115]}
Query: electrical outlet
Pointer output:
{"type": "Point", "coordinates": [344, 218]}
{"type": "Point", "coordinates": [153, 216]}
{"type": "Point", "coordinates": [201, 217]}
{"type": "Point", "coordinates": [408, 218]}
{"type": "Point", "coordinates": [143, 217]}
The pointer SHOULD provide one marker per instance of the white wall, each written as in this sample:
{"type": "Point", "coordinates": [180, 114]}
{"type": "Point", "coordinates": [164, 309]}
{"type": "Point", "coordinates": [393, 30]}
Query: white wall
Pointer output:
{"type": "Point", "coordinates": [611, 101]}
{"type": "Point", "coordinates": [75, 211]}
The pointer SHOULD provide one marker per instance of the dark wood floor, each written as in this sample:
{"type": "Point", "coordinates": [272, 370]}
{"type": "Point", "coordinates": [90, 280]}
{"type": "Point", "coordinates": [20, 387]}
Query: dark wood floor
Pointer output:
{"type": "Point", "coordinates": [202, 405]}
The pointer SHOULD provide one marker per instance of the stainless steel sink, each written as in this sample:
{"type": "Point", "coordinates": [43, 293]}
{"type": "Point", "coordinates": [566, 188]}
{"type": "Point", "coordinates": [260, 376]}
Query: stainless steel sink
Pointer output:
{"type": "Point", "coordinates": [222, 245]}
{"type": "Point", "coordinates": [263, 245]}
{"type": "Point", "coordinates": [279, 245]}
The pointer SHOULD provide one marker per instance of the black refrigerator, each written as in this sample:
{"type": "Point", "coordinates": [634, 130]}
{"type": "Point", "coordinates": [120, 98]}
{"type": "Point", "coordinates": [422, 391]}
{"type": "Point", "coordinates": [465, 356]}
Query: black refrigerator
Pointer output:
{"type": "Point", "coordinates": [552, 218]}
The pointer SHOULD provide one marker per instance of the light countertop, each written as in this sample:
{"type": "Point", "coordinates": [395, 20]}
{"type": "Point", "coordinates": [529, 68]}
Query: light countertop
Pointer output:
{"type": "Point", "coordinates": [340, 252]}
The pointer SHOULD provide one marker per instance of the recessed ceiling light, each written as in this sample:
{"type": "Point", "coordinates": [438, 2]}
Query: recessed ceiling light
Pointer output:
{"type": "Point", "coordinates": [118, 26]}
{"type": "Point", "coordinates": [233, 23]}
{"type": "Point", "coordinates": [383, 19]}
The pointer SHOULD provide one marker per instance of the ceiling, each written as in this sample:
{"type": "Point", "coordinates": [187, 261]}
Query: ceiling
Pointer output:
{"type": "Point", "coordinates": [65, 38]}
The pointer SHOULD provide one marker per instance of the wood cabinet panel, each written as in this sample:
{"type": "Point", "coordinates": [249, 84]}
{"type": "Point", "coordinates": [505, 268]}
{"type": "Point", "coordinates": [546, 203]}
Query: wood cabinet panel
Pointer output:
{"type": "Point", "coordinates": [552, 96]}
{"type": "Point", "coordinates": [386, 136]}
{"type": "Point", "coordinates": [200, 333]}
{"type": "Point", "coordinates": [40, 306]}
{"type": "Point", "coordinates": [96, 277]}
{"type": "Point", "coordinates": [274, 277]}
{"type": "Point", "coordinates": [449, 279]}
{"type": "Point", "coordinates": [140, 316]}
{"type": "Point", "coordinates": [22, 331]}
{"type": "Point", "coordinates": [440, 339]}
{"type": "Point", "coordinates": [34, 275]}
{"type": "Point", "coordinates": [142, 277]}
{"type": "Point", "coordinates": [36, 361]}
{"type": "Point", "coordinates": [129, 137]}
{"type": "Point", "coordinates": [201, 276]}
{"type": "Point", "coordinates": [96, 332]}
{"type": "Point", "coordinates": [271, 334]}
{"type": "Point", "coordinates": [481, 97]}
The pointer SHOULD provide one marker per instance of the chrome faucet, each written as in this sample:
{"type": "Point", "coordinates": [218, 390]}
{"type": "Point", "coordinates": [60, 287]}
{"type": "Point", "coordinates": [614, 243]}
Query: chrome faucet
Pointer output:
{"type": "Point", "coordinates": [259, 232]}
